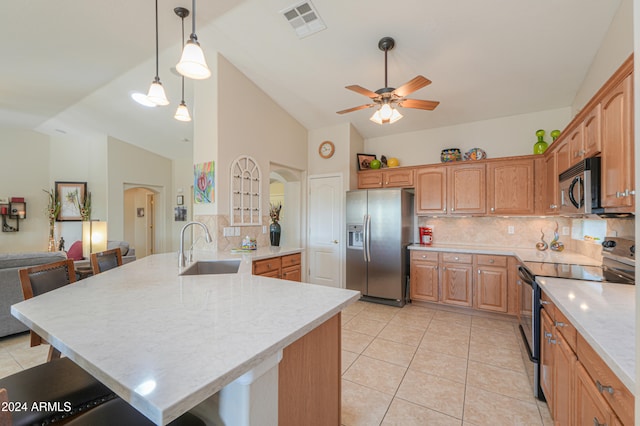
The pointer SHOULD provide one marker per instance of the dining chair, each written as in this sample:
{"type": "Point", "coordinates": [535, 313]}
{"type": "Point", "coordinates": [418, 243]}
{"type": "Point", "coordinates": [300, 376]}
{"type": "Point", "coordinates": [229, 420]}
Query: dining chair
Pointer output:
{"type": "Point", "coordinates": [5, 414]}
{"type": "Point", "coordinates": [105, 260]}
{"type": "Point", "coordinates": [40, 279]}
{"type": "Point", "coordinates": [60, 389]}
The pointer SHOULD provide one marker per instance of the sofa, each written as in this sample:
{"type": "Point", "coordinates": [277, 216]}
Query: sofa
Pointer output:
{"type": "Point", "coordinates": [10, 288]}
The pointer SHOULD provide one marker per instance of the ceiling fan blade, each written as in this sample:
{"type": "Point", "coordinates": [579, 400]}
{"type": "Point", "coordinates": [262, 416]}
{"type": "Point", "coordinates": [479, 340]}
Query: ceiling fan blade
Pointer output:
{"type": "Point", "coordinates": [411, 86]}
{"type": "Point", "coordinates": [418, 104]}
{"type": "Point", "coordinates": [359, 89]}
{"type": "Point", "coordinates": [344, 111]}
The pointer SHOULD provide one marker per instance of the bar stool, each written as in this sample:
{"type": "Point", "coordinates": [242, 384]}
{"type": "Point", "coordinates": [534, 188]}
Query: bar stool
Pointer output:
{"type": "Point", "coordinates": [105, 260]}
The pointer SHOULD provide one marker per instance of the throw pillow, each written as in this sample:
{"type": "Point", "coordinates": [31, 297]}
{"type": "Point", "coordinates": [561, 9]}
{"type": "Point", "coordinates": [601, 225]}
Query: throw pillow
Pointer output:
{"type": "Point", "coordinates": [75, 251]}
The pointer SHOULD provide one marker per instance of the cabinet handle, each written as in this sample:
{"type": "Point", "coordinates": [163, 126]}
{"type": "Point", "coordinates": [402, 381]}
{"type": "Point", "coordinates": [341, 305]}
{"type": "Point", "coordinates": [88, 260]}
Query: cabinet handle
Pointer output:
{"type": "Point", "coordinates": [436, 267]}
{"type": "Point", "coordinates": [491, 261]}
{"type": "Point", "coordinates": [453, 209]}
{"type": "Point", "coordinates": [619, 194]}
{"type": "Point", "coordinates": [544, 302]}
{"type": "Point", "coordinates": [386, 183]}
{"type": "Point", "coordinates": [444, 268]}
{"type": "Point", "coordinates": [597, 423]}
{"type": "Point", "coordinates": [551, 341]}
{"type": "Point", "coordinates": [553, 206]}
{"type": "Point", "coordinates": [603, 389]}
{"type": "Point", "coordinates": [479, 271]}
{"type": "Point", "coordinates": [492, 209]}
{"type": "Point", "coordinates": [548, 335]}
{"type": "Point", "coordinates": [424, 256]}
{"type": "Point", "coordinates": [518, 282]}
{"type": "Point", "coordinates": [559, 324]}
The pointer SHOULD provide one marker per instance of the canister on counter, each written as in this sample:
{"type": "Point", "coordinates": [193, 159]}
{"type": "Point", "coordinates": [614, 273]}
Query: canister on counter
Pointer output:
{"type": "Point", "coordinates": [426, 235]}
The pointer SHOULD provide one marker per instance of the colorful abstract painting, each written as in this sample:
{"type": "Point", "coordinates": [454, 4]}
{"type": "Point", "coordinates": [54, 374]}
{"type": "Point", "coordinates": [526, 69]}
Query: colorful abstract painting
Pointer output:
{"type": "Point", "coordinates": [203, 183]}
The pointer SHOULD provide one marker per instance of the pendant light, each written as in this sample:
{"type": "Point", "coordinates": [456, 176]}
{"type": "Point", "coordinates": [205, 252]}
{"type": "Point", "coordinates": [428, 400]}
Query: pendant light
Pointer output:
{"type": "Point", "coordinates": [192, 63]}
{"type": "Point", "coordinates": [156, 93]}
{"type": "Point", "coordinates": [182, 113]}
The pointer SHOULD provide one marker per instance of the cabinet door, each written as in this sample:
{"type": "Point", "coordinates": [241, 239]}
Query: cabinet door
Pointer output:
{"type": "Point", "coordinates": [466, 189]}
{"type": "Point", "coordinates": [424, 281]}
{"type": "Point", "coordinates": [576, 144]}
{"type": "Point", "coordinates": [510, 188]}
{"type": "Point", "coordinates": [456, 284]}
{"type": "Point", "coordinates": [431, 190]}
{"type": "Point", "coordinates": [551, 184]}
{"type": "Point", "coordinates": [292, 273]}
{"type": "Point", "coordinates": [562, 154]}
{"type": "Point", "coordinates": [397, 178]}
{"type": "Point", "coordinates": [563, 380]}
{"type": "Point", "coordinates": [369, 179]}
{"type": "Point", "coordinates": [491, 289]}
{"type": "Point", "coordinates": [590, 407]}
{"type": "Point", "coordinates": [592, 132]}
{"type": "Point", "coordinates": [547, 342]}
{"type": "Point", "coordinates": [617, 149]}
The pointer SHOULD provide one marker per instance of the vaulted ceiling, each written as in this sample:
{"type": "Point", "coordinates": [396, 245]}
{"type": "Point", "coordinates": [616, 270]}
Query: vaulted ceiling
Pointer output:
{"type": "Point", "coordinates": [69, 66]}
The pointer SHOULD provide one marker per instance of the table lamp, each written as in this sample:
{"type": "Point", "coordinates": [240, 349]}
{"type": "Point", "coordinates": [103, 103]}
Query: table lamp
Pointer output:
{"type": "Point", "coordinates": [94, 237]}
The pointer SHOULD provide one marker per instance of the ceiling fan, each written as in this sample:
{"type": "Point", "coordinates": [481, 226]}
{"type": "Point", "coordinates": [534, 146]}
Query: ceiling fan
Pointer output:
{"type": "Point", "coordinates": [387, 98]}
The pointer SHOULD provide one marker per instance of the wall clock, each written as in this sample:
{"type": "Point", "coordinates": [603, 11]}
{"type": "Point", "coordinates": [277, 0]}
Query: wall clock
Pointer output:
{"type": "Point", "coordinates": [326, 149]}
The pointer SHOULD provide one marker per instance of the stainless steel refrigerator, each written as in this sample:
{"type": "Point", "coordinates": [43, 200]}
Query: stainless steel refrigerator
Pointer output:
{"type": "Point", "coordinates": [379, 229]}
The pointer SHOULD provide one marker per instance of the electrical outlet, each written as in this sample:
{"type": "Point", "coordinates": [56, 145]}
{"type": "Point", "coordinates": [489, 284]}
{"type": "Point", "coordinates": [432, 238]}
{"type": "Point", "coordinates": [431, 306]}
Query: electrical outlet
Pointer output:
{"type": "Point", "coordinates": [236, 231]}
{"type": "Point", "coordinates": [511, 229]}
{"type": "Point", "coordinates": [565, 230]}
{"type": "Point", "coordinates": [264, 229]}
{"type": "Point", "coordinates": [227, 231]}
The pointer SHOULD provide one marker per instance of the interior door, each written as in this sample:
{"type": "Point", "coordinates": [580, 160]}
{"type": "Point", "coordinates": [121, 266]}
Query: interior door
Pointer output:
{"type": "Point", "coordinates": [325, 230]}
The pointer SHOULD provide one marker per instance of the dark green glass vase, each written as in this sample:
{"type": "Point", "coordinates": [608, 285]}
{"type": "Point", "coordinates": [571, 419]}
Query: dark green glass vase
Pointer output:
{"type": "Point", "coordinates": [274, 234]}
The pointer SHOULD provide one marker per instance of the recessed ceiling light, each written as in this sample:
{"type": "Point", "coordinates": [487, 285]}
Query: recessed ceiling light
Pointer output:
{"type": "Point", "coordinates": [142, 99]}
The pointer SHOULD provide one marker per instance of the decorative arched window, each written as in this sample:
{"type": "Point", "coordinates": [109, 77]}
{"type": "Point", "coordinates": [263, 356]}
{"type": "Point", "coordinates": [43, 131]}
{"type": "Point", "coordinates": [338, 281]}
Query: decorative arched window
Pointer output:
{"type": "Point", "coordinates": [246, 192]}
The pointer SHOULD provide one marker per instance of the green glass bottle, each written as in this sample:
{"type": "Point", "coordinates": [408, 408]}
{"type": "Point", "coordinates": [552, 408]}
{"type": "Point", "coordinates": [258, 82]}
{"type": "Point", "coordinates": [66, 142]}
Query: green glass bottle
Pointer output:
{"type": "Point", "coordinates": [541, 146]}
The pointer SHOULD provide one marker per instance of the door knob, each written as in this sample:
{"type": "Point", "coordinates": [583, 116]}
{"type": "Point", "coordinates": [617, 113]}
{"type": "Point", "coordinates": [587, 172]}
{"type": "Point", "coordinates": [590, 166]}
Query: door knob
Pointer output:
{"type": "Point", "coordinates": [335, 241]}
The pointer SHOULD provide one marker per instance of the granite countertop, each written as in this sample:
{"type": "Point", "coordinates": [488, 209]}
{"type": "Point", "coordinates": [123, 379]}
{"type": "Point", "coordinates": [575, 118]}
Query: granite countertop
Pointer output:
{"type": "Point", "coordinates": [603, 313]}
{"type": "Point", "coordinates": [143, 324]}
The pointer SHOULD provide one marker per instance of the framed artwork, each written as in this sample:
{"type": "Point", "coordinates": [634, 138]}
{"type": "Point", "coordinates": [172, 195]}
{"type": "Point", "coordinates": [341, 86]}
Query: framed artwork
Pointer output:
{"type": "Point", "coordinates": [364, 161]}
{"type": "Point", "coordinates": [203, 183]}
{"type": "Point", "coordinates": [180, 214]}
{"type": "Point", "coordinates": [140, 211]}
{"type": "Point", "coordinates": [180, 200]}
{"type": "Point", "coordinates": [70, 194]}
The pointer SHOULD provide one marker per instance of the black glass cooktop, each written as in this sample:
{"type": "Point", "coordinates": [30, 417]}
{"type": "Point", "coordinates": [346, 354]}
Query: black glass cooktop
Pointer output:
{"type": "Point", "coordinates": [579, 272]}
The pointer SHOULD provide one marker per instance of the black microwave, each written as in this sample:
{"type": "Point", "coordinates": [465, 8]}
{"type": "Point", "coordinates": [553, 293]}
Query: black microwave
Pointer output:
{"type": "Point", "coordinates": [580, 188]}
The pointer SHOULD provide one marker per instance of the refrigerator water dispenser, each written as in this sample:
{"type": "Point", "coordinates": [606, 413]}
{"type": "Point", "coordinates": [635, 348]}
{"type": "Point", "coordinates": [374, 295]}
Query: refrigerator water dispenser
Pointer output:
{"type": "Point", "coordinates": [354, 236]}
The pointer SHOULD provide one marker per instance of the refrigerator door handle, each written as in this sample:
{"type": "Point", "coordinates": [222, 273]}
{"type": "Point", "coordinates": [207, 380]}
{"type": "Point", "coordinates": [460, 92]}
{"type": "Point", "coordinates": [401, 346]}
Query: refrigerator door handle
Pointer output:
{"type": "Point", "coordinates": [367, 238]}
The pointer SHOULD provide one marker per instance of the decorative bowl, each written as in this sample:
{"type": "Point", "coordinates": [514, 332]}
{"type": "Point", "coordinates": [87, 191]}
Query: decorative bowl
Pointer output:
{"type": "Point", "coordinates": [475, 154]}
{"type": "Point", "coordinates": [451, 154]}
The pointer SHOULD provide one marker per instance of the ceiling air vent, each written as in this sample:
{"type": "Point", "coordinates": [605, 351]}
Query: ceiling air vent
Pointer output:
{"type": "Point", "coordinates": [304, 19]}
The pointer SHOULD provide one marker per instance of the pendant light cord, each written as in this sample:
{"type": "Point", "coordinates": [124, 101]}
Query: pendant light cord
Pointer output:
{"type": "Point", "coordinates": [157, 51]}
{"type": "Point", "coordinates": [181, 47]}
{"type": "Point", "coordinates": [385, 67]}
{"type": "Point", "coordinates": [194, 37]}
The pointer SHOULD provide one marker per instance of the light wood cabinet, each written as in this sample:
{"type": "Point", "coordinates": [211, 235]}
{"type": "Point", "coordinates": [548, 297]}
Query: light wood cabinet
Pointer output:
{"type": "Point", "coordinates": [547, 342]}
{"type": "Point", "coordinates": [617, 148]}
{"type": "Point", "coordinates": [466, 189]}
{"type": "Point", "coordinates": [490, 290]}
{"type": "Point", "coordinates": [431, 190]}
{"type": "Point", "coordinates": [563, 156]}
{"type": "Point", "coordinates": [510, 187]}
{"type": "Point", "coordinates": [576, 144]}
{"type": "Point", "coordinates": [563, 380]}
{"type": "Point", "coordinates": [592, 133]}
{"type": "Point", "coordinates": [287, 267]}
{"type": "Point", "coordinates": [551, 201]}
{"type": "Point", "coordinates": [424, 276]}
{"type": "Point", "coordinates": [590, 406]}
{"type": "Point", "coordinates": [386, 178]}
{"type": "Point", "coordinates": [457, 279]}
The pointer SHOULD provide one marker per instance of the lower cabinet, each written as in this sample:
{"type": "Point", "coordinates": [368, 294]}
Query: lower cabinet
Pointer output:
{"type": "Point", "coordinates": [457, 276]}
{"type": "Point", "coordinates": [424, 276]}
{"type": "Point", "coordinates": [287, 267]}
{"type": "Point", "coordinates": [490, 292]}
{"type": "Point", "coordinates": [579, 387]}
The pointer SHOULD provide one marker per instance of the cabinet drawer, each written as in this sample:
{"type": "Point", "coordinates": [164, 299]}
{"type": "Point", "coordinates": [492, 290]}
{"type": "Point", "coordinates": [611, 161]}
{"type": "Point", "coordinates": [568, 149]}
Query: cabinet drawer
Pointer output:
{"type": "Point", "coordinates": [548, 305]}
{"type": "Point", "coordinates": [291, 260]}
{"type": "Point", "coordinates": [565, 328]}
{"type": "Point", "coordinates": [292, 273]}
{"type": "Point", "coordinates": [424, 255]}
{"type": "Point", "coordinates": [614, 391]}
{"type": "Point", "coordinates": [490, 260]}
{"type": "Point", "coordinates": [457, 257]}
{"type": "Point", "coordinates": [266, 265]}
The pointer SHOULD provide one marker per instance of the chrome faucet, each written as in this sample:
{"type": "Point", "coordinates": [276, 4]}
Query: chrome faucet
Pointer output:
{"type": "Point", "coordinates": [182, 260]}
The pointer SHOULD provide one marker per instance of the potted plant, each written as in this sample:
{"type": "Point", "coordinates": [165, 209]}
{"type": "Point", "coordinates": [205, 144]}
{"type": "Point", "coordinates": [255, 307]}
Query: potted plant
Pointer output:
{"type": "Point", "coordinates": [53, 208]}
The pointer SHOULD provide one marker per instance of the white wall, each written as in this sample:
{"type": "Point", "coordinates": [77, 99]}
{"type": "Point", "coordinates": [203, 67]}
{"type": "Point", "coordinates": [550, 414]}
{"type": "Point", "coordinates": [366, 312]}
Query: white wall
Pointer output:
{"type": "Point", "coordinates": [130, 166]}
{"type": "Point", "coordinates": [182, 185]}
{"type": "Point", "coordinates": [614, 50]}
{"type": "Point", "coordinates": [499, 137]}
{"type": "Point", "coordinates": [24, 167]}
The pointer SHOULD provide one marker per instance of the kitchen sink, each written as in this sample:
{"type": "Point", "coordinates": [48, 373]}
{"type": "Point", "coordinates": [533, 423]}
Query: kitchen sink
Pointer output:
{"type": "Point", "coordinates": [210, 267]}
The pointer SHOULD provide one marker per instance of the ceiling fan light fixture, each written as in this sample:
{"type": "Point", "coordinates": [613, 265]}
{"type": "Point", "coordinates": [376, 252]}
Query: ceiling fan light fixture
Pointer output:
{"type": "Point", "coordinates": [182, 113]}
{"type": "Point", "coordinates": [386, 112]}
{"type": "Point", "coordinates": [383, 116]}
{"type": "Point", "coordinates": [156, 93]}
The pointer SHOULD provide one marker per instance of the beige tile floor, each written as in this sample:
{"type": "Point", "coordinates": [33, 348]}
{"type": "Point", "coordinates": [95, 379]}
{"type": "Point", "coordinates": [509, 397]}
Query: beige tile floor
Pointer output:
{"type": "Point", "coordinates": [421, 365]}
{"type": "Point", "coordinates": [408, 366]}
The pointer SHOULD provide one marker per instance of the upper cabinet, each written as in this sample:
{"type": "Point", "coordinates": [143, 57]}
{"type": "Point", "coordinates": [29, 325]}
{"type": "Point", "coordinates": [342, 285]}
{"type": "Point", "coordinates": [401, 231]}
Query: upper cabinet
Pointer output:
{"type": "Point", "coordinates": [453, 189]}
{"type": "Point", "coordinates": [617, 148]}
{"type": "Point", "coordinates": [385, 178]}
{"type": "Point", "coordinates": [510, 187]}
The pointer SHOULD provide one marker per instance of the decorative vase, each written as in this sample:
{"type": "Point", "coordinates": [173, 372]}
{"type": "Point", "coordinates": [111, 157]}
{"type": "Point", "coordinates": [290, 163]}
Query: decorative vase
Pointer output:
{"type": "Point", "coordinates": [451, 154]}
{"type": "Point", "coordinates": [274, 234]}
{"type": "Point", "coordinates": [541, 146]}
{"type": "Point", "coordinates": [52, 239]}
{"type": "Point", "coordinates": [542, 245]}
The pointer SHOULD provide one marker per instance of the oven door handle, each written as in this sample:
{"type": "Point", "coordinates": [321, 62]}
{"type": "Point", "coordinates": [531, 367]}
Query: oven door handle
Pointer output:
{"type": "Point", "coordinates": [524, 338]}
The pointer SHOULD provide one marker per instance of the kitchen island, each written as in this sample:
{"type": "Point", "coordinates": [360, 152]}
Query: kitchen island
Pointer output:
{"type": "Point", "coordinates": [166, 343]}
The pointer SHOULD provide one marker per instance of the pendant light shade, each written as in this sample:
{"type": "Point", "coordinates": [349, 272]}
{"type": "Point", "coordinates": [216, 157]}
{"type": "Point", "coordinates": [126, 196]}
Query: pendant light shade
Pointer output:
{"type": "Point", "coordinates": [182, 113]}
{"type": "Point", "coordinates": [192, 62]}
{"type": "Point", "coordinates": [386, 114]}
{"type": "Point", "coordinates": [156, 93]}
